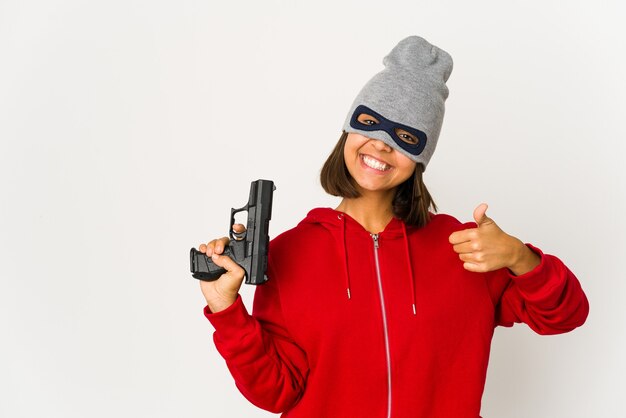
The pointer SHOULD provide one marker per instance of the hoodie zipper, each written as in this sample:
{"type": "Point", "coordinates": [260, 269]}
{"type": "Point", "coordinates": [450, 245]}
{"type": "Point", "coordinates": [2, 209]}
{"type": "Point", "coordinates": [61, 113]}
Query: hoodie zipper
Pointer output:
{"type": "Point", "coordinates": [385, 327]}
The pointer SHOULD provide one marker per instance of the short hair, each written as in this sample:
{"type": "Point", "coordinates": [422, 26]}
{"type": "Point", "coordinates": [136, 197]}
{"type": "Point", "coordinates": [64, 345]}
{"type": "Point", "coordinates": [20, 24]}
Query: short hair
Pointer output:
{"type": "Point", "coordinates": [411, 203]}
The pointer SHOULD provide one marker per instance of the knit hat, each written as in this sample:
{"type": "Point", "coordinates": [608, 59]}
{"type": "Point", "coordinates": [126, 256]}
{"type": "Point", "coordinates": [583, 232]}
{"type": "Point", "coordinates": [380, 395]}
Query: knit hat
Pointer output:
{"type": "Point", "coordinates": [408, 94]}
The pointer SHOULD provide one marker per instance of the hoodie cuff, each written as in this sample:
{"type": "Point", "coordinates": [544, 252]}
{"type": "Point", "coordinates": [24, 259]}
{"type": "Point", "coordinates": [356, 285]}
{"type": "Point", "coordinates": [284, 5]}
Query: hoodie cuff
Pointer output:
{"type": "Point", "coordinates": [229, 322]}
{"type": "Point", "coordinates": [538, 279]}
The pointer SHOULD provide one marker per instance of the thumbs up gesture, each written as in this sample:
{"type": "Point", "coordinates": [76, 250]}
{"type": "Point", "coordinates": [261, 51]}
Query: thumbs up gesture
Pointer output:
{"type": "Point", "coordinates": [487, 247]}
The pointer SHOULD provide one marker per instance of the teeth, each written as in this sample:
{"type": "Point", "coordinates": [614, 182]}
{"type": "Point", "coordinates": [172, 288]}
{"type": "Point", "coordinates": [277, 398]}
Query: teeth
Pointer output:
{"type": "Point", "coordinates": [375, 164]}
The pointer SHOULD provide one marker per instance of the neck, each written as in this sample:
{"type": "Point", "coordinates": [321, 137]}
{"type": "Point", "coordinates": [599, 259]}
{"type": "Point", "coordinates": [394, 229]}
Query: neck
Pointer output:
{"type": "Point", "coordinates": [373, 212]}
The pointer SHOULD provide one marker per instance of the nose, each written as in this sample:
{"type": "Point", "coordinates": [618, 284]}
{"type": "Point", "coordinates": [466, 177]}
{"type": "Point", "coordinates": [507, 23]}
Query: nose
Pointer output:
{"type": "Point", "coordinates": [380, 145]}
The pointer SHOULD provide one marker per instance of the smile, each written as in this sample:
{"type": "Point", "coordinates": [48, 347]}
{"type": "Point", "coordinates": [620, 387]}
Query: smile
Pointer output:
{"type": "Point", "coordinates": [374, 163]}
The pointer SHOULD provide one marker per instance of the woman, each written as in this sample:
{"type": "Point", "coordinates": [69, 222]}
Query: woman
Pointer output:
{"type": "Point", "coordinates": [379, 308]}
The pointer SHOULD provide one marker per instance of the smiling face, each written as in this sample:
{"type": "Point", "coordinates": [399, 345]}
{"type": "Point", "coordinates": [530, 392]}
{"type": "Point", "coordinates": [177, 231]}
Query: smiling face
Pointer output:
{"type": "Point", "coordinates": [374, 165]}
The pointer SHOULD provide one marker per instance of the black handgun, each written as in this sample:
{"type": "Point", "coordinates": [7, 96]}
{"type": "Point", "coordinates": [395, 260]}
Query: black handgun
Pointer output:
{"type": "Point", "coordinates": [250, 252]}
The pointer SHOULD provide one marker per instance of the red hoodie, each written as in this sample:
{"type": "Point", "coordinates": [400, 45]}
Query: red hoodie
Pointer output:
{"type": "Point", "coordinates": [352, 325]}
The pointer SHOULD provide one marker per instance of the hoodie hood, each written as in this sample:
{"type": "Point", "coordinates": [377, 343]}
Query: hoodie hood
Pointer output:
{"type": "Point", "coordinates": [331, 219]}
{"type": "Point", "coordinates": [340, 225]}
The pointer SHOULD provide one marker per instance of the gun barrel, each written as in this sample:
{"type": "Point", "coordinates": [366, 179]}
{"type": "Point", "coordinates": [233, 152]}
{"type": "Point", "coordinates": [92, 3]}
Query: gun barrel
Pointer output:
{"type": "Point", "coordinates": [263, 213]}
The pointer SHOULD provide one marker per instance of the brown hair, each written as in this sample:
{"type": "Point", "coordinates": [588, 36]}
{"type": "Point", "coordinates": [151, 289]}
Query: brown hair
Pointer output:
{"type": "Point", "coordinates": [411, 203]}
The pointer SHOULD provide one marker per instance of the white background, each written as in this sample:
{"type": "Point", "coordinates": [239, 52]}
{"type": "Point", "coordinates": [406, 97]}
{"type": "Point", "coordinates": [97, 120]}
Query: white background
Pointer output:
{"type": "Point", "coordinates": [130, 128]}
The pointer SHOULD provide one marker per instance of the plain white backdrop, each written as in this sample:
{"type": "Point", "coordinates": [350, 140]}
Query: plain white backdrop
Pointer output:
{"type": "Point", "coordinates": [128, 129]}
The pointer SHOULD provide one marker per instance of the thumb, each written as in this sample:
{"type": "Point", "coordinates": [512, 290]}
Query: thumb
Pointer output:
{"type": "Point", "coordinates": [234, 272]}
{"type": "Point", "coordinates": [226, 262]}
{"type": "Point", "coordinates": [480, 214]}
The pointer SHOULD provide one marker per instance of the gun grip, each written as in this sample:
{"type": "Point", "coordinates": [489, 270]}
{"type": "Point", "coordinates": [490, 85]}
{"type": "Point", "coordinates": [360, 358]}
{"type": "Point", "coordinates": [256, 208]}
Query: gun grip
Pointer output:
{"type": "Point", "coordinates": [203, 268]}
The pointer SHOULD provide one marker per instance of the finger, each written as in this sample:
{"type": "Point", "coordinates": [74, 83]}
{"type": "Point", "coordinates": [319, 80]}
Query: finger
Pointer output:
{"type": "Point", "coordinates": [209, 248]}
{"type": "Point", "coordinates": [216, 246]}
{"type": "Point", "coordinates": [480, 214]}
{"type": "Point", "coordinates": [466, 247]}
{"type": "Point", "coordinates": [459, 237]}
{"type": "Point", "coordinates": [227, 263]}
{"type": "Point", "coordinates": [239, 232]}
{"type": "Point", "coordinates": [468, 257]}
{"type": "Point", "coordinates": [220, 244]}
{"type": "Point", "coordinates": [202, 248]}
{"type": "Point", "coordinates": [473, 267]}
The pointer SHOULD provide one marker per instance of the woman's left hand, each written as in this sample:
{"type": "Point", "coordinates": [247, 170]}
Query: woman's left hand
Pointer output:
{"type": "Point", "coordinates": [487, 247]}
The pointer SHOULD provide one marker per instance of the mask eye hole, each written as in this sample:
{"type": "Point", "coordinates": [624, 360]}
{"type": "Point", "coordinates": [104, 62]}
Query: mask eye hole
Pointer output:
{"type": "Point", "coordinates": [407, 137]}
{"type": "Point", "coordinates": [368, 120]}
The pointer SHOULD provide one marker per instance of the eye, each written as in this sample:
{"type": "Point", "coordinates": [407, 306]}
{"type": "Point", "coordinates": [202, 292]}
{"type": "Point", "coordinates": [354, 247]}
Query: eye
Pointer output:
{"type": "Point", "coordinates": [406, 137]}
{"type": "Point", "coordinates": [366, 119]}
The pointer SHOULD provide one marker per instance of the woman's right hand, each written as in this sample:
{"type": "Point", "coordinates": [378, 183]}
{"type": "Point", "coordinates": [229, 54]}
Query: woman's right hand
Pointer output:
{"type": "Point", "coordinates": [222, 293]}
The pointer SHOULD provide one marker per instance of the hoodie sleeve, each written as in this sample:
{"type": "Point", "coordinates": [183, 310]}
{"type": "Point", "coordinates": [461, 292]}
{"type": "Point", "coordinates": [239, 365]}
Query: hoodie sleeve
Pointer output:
{"type": "Point", "coordinates": [268, 366]}
{"type": "Point", "coordinates": [548, 298]}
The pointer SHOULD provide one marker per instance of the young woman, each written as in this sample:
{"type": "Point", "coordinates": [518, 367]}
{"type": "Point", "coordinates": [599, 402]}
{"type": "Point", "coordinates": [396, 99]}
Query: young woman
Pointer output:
{"type": "Point", "coordinates": [380, 308]}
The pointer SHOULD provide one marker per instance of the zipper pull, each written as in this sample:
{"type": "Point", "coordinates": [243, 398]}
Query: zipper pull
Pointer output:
{"type": "Point", "coordinates": [375, 238]}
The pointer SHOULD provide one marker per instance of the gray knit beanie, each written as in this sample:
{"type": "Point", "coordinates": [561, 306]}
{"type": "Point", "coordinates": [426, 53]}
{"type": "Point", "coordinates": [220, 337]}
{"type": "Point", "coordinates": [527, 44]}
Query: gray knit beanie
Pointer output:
{"type": "Point", "coordinates": [408, 94]}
